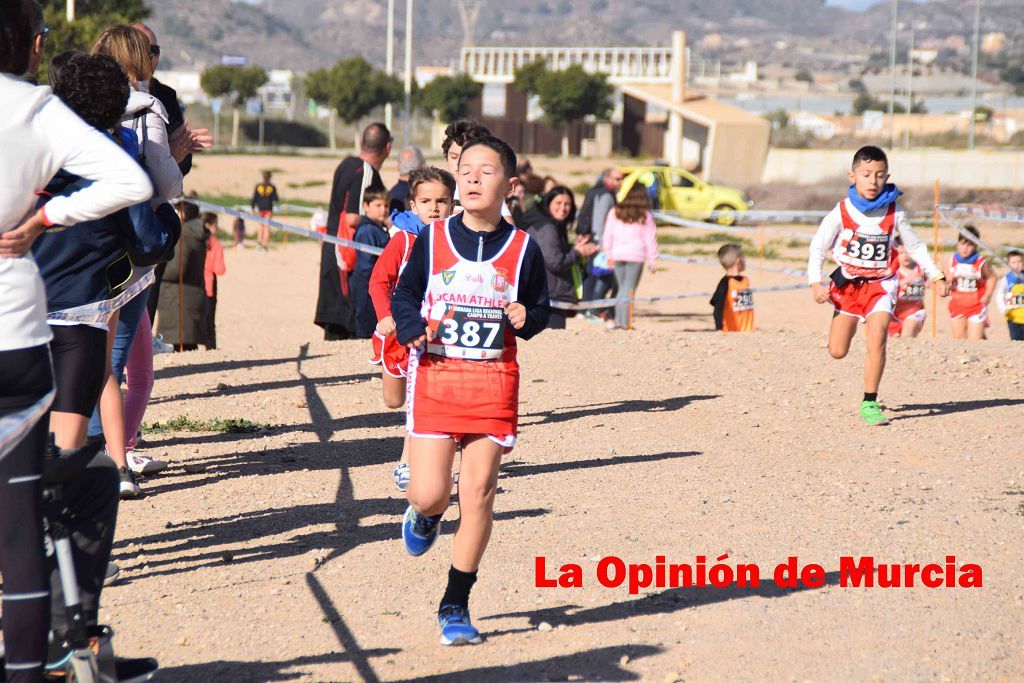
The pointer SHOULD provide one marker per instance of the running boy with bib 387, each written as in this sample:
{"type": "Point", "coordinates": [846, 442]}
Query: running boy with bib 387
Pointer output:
{"type": "Point", "coordinates": [472, 286]}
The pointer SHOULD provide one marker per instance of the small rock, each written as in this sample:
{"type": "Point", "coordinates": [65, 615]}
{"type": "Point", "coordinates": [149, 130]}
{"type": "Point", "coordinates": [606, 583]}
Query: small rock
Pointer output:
{"type": "Point", "coordinates": [227, 557]}
{"type": "Point", "coordinates": [195, 468]}
{"type": "Point", "coordinates": [623, 660]}
{"type": "Point", "coordinates": [544, 627]}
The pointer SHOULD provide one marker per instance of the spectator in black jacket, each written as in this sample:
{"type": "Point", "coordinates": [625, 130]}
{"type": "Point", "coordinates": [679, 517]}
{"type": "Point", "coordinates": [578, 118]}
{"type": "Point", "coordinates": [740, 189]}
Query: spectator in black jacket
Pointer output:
{"type": "Point", "coordinates": [548, 223]}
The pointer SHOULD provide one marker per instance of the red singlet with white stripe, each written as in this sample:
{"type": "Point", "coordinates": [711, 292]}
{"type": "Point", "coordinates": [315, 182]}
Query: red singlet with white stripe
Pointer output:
{"type": "Point", "coordinates": [466, 381]}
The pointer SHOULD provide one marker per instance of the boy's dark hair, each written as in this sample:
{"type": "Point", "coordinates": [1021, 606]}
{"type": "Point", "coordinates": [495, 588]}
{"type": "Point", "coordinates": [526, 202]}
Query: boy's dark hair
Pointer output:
{"type": "Point", "coordinates": [267, 175]}
{"type": "Point", "coordinates": [375, 193]}
{"type": "Point", "coordinates": [971, 229]}
{"type": "Point", "coordinates": [728, 254]}
{"type": "Point", "coordinates": [93, 86]}
{"type": "Point", "coordinates": [1014, 252]}
{"type": "Point", "coordinates": [17, 31]}
{"type": "Point", "coordinates": [461, 131]}
{"type": "Point", "coordinates": [869, 153]}
{"type": "Point", "coordinates": [431, 174]}
{"type": "Point", "coordinates": [502, 148]}
{"type": "Point", "coordinates": [209, 218]}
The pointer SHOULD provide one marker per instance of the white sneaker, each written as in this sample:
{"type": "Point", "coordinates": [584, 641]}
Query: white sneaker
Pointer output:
{"type": "Point", "coordinates": [160, 346]}
{"type": "Point", "coordinates": [129, 488]}
{"type": "Point", "coordinates": [140, 464]}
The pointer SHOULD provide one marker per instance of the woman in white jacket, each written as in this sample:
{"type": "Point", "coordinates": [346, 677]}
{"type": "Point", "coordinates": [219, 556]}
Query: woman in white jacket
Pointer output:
{"type": "Point", "coordinates": [144, 114]}
{"type": "Point", "coordinates": [38, 136]}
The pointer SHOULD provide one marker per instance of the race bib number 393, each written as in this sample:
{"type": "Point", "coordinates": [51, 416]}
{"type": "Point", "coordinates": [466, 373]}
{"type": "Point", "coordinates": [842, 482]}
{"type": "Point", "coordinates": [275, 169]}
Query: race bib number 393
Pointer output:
{"type": "Point", "coordinates": [470, 332]}
{"type": "Point", "coordinates": [868, 251]}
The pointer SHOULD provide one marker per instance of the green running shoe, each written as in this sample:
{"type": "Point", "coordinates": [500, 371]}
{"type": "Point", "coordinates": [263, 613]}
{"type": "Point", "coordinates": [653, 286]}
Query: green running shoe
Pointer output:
{"type": "Point", "coordinates": [872, 413]}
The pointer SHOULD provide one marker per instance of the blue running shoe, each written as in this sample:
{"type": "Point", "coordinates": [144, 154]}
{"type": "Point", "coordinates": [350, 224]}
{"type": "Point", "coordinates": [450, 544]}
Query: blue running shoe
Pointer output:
{"type": "Point", "coordinates": [456, 629]}
{"type": "Point", "coordinates": [402, 476]}
{"type": "Point", "coordinates": [419, 532]}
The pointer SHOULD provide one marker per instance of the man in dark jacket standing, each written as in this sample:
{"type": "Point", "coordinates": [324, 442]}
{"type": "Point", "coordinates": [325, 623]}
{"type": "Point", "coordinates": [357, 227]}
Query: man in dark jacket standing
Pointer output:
{"type": "Point", "coordinates": [335, 311]}
{"type": "Point", "coordinates": [597, 202]}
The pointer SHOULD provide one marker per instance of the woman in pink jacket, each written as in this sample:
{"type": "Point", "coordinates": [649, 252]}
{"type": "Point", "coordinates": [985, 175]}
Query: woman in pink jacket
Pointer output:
{"type": "Point", "coordinates": [630, 242]}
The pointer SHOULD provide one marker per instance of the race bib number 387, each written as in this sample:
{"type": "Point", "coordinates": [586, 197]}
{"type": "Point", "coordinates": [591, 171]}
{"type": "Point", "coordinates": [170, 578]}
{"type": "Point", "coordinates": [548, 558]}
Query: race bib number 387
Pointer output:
{"type": "Point", "coordinates": [469, 332]}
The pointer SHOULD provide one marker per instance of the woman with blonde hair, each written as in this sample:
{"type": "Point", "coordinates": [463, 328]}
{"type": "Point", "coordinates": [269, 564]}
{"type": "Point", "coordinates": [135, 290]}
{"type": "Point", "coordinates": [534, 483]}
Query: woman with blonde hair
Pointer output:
{"type": "Point", "coordinates": [145, 115]}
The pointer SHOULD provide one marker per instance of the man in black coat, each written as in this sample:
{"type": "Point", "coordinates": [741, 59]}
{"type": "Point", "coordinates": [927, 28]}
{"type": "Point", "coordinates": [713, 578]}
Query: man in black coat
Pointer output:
{"type": "Point", "coordinates": [335, 312]}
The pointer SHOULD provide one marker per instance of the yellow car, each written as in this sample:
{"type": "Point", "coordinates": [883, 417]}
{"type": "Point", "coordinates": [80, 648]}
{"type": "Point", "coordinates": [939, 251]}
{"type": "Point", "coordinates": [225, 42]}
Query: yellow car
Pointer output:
{"type": "Point", "coordinates": [675, 189]}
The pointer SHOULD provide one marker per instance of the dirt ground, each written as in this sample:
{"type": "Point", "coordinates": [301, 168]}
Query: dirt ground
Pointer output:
{"type": "Point", "coordinates": [276, 555]}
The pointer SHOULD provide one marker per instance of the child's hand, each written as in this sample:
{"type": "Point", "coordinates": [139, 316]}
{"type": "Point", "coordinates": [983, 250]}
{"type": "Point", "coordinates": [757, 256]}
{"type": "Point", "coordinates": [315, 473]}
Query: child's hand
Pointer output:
{"type": "Point", "coordinates": [386, 327]}
{"type": "Point", "coordinates": [820, 293]}
{"type": "Point", "coordinates": [516, 313]}
{"type": "Point", "coordinates": [942, 288]}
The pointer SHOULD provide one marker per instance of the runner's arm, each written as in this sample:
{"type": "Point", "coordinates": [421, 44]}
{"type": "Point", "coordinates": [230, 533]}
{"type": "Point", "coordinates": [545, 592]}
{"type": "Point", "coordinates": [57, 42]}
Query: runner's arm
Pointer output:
{"type": "Point", "coordinates": [718, 301]}
{"type": "Point", "coordinates": [1000, 295]}
{"type": "Point", "coordinates": [383, 277]}
{"type": "Point", "coordinates": [533, 291]}
{"type": "Point", "coordinates": [408, 296]}
{"type": "Point", "coordinates": [917, 249]}
{"type": "Point", "coordinates": [990, 281]}
{"type": "Point", "coordinates": [823, 240]}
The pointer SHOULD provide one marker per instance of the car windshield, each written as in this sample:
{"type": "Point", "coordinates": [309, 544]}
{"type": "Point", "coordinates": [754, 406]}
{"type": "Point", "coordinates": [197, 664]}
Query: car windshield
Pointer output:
{"type": "Point", "coordinates": [679, 180]}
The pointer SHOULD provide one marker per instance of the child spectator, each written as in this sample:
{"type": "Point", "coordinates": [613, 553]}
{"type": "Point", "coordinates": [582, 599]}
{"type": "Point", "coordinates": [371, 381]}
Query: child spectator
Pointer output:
{"type": "Point", "coordinates": [264, 197]}
{"type": "Point", "coordinates": [629, 243]}
{"type": "Point", "coordinates": [733, 300]}
{"type": "Point", "coordinates": [859, 234]}
{"type": "Point", "coordinates": [214, 268]}
{"type": "Point", "coordinates": [973, 283]}
{"type": "Point", "coordinates": [1010, 295]}
{"type": "Point", "coordinates": [373, 232]}
{"type": "Point", "coordinates": [239, 230]}
{"type": "Point", "coordinates": [909, 316]}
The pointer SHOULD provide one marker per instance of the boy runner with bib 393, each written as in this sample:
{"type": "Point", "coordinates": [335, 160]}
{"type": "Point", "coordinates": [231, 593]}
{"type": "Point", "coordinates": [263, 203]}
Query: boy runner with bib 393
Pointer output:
{"type": "Point", "coordinates": [430, 193]}
{"type": "Point", "coordinates": [1010, 295]}
{"type": "Point", "coordinates": [860, 235]}
{"type": "Point", "coordinates": [972, 282]}
{"type": "Point", "coordinates": [909, 316]}
{"type": "Point", "coordinates": [473, 284]}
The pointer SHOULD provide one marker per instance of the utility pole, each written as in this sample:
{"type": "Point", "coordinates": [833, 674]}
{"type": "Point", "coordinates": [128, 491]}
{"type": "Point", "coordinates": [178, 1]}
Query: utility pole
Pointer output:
{"type": "Point", "coordinates": [71, 11]}
{"type": "Point", "coordinates": [910, 91]}
{"type": "Point", "coordinates": [407, 114]}
{"type": "Point", "coordinates": [974, 73]}
{"type": "Point", "coordinates": [390, 68]}
{"type": "Point", "coordinates": [892, 71]}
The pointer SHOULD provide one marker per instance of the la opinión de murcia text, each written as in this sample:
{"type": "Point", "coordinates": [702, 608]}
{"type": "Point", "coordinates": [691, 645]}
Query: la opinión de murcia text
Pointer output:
{"type": "Point", "coordinates": [854, 572]}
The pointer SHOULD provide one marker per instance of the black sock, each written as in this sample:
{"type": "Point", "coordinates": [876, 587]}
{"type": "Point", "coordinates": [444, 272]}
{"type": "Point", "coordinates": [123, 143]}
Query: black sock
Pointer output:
{"type": "Point", "coordinates": [873, 396]}
{"type": "Point", "coordinates": [459, 585]}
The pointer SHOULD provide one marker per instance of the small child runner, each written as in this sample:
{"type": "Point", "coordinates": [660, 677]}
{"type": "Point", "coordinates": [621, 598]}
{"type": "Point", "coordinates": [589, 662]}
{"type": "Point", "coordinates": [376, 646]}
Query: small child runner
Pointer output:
{"type": "Point", "coordinates": [372, 232]}
{"type": "Point", "coordinates": [472, 285]}
{"type": "Point", "coordinates": [1010, 295]}
{"type": "Point", "coordinates": [264, 197]}
{"type": "Point", "coordinates": [733, 300]}
{"type": "Point", "coordinates": [860, 234]}
{"type": "Point", "coordinates": [909, 316]}
{"type": "Point", "coordinates": [973, 283]}
{"type": "Point", "coordinates": [430, 191]}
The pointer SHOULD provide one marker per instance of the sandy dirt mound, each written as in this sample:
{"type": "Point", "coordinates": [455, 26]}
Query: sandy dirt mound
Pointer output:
{"type": "Point", "coordinates": [275, 554]}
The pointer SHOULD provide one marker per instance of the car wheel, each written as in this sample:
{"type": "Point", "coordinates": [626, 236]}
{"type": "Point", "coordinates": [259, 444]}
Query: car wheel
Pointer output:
{"type": "Point", "coordinates": [725, 214]}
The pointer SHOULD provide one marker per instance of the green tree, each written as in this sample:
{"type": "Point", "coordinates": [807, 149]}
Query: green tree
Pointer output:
{"type": "Point", "coordinates": [353, 88]}
{"type": "Point", "coordinates": [237, 82]}
{"type": "Point", "coordinates": [527, 78]}
{"type": "Point", "coordinates": [983, 114]}
{"type": "Point", "coordinates": [566, 96]}
{"type": "Point", "coordinates": [450, 96]}
{"type": "Point", "coordinates": [804, 76]}
{"type": "Point", "coordinates": [91, 18]}
{"type": "Point", "coordinates": [778, 118]}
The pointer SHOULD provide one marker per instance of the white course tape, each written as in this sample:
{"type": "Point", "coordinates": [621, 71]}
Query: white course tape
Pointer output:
{"type": "Point", "coordinates": [311, 234]}
{"type": "Point", "coordinates": [99, 313]}
{"type": "Point", "coordinates": [780, 216]}
{"type": "Point", "coordinates": [605, 303]}
{"type": "Point", "coordinates": [684, 223]}
{"type": "Point", "coordinates": [15, 426]}
{"type": "Point", "coordinates": [284, 209]}
{"type": "Point", "coordinates": [714, 262]}
{"type": "Point", "coordinates": [955, 224]}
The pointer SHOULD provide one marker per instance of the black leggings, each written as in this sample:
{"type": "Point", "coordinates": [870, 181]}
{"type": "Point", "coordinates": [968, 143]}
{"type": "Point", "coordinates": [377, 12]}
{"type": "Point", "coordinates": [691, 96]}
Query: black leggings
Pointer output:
{"type": "Point", "coordinates": [79, 365]}
{"type": "Point", "coordinates": [25, 377]}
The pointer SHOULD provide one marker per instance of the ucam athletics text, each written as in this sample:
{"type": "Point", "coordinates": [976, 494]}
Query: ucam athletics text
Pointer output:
{"type": "Point", "coordinates": [854, 572]}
